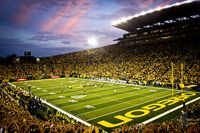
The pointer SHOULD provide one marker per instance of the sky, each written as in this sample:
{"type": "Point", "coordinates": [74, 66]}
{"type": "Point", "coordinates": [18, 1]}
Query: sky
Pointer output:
{"type": "Point", "coordinates": [52, 27]}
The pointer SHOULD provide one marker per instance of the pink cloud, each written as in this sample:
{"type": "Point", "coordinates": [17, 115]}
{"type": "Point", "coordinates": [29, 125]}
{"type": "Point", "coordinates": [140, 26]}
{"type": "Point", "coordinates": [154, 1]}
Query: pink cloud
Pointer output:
{"type": "Point", "coordinates": [72, 22]}
{"type": "Point", "coordinates": [48, 25]}
{"type": "Point", "coordinates": [24, 14]}
{"type": "Point", "coordinates": [167, 2]}
{"type": "Point", "coordinates": [57, 19]}
{"type": "Point", "coordinates": [146, 4]}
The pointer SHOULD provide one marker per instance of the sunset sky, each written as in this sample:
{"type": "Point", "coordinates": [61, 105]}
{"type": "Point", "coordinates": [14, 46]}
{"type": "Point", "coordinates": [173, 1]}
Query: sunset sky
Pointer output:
{"type": "Point", "coordinates": [51, 27]}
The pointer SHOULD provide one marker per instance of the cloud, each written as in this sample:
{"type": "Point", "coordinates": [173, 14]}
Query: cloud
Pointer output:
{"type": "Point", "coordinates": [67, 17]}
{"type": "Point", "coordinates": [72, 23]}
{"type": "Point", "coordinates": [24, 14]}
{"type": "Point", "coordinates": [49, 36]}
{"type": "Point", "coordinates": [66, 42]}
{"type": "Point", "coordinates": [9, 41]}
{"type": "Point", "coordinates": [54, 51]}
{"type": "Point", "coordinates": [101, 17]}
{"type": "Point", "coordinates": [3, 29]}
{"type": "Point", "coordinates": [46, 5]}
{"type": "Point", "coordinates": [49, 26]}
{"type": "Point", "coordinates": [14, 45]}
{"type": "Point", "coordinates": [132, 7]}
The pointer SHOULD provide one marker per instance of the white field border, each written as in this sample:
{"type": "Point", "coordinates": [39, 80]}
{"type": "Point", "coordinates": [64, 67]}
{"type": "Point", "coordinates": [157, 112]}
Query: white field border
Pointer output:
{"type": "Point", "coordinates": [58, 109]}
{"type": "Point", "coordinates": [68, 114]}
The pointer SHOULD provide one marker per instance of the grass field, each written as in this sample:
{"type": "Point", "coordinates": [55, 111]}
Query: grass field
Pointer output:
{"type": "Point", "coordinates": [106, 104]}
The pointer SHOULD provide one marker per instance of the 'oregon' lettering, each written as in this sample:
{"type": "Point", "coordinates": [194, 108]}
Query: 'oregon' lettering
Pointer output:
{"type": "Point", "coordinates": [129, 116]}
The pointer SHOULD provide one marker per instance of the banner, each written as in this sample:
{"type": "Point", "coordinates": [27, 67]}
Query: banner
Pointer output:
{"type": "Point", "coordinates": [21, 79]}
{"type": "Point", "coordinates": [55, 77]}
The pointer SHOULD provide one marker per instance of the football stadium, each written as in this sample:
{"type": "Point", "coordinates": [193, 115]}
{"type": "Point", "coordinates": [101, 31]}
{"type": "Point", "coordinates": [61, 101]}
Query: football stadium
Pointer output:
{"type": "Point", "coordinates": [148, 81]}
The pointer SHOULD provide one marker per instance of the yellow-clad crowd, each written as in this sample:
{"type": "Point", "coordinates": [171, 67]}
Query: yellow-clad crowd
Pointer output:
{"type": "Point", "coordinates": [141, 62]}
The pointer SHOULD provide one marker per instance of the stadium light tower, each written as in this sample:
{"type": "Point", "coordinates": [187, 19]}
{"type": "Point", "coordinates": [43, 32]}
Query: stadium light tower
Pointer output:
{"type": "Point", "coordinates": [17, 59]}
{"type": "Point", "coordinates": [92, 41]}
{"type": "Point", "coordinates": [37, 60]}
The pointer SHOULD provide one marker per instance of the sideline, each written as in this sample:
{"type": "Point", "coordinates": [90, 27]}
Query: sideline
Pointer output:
{"type": "Point", "coordinates": [68, 114]}
{"type": "Point", "coordinates": [110, 82]}
{"type": "Point", "coordinates": [167, 112]}
{"type": "Point", "coordinates": [58, 109]}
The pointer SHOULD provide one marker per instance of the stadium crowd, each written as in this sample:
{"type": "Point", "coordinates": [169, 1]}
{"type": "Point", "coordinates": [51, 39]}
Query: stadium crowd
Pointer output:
{"type": "Point", "coordinates": [147, 63]}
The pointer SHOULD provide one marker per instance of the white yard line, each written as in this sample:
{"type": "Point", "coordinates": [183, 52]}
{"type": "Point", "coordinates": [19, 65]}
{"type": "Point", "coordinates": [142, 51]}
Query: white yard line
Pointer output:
{"type": "Point", "coordinates": [79, 91]}
{"type": "Point", "coordinates": [76, 92]}
{"type": "Point", "coordinates": [106, 101]}
{"type": "Point", "coordinates": [123, 108]}
{"type": "Point", "coordinates": [167, 112]}
{"type": "Point", "coordinates": [120, 102]}
{"type": "Point", "coordinates": [64, 112]}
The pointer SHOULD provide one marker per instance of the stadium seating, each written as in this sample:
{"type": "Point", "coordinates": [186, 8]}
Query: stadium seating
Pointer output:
{"type": "Point", "coordinates": [141, 62]}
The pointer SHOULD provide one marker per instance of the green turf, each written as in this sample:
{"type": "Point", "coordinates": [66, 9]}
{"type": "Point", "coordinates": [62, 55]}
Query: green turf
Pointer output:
{"type": "Point", "coordinates": [109, 100]}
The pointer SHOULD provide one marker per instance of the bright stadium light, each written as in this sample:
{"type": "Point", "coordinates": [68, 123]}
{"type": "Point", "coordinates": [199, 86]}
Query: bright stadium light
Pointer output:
{"type": "Point", "coordinates": [37, 60]}
{"type": "Point", "coordinates": [125, 19]}
{"type": "Point", "coordinates": [92, 41]}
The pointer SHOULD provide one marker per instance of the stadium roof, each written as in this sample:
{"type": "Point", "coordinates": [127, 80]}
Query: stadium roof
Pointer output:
{"type": "Point", "coordinates": [172, 13]}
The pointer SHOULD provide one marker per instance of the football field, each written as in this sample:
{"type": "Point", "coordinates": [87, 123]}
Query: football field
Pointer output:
{"type": "Point", "coordinates": [105, 104]}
